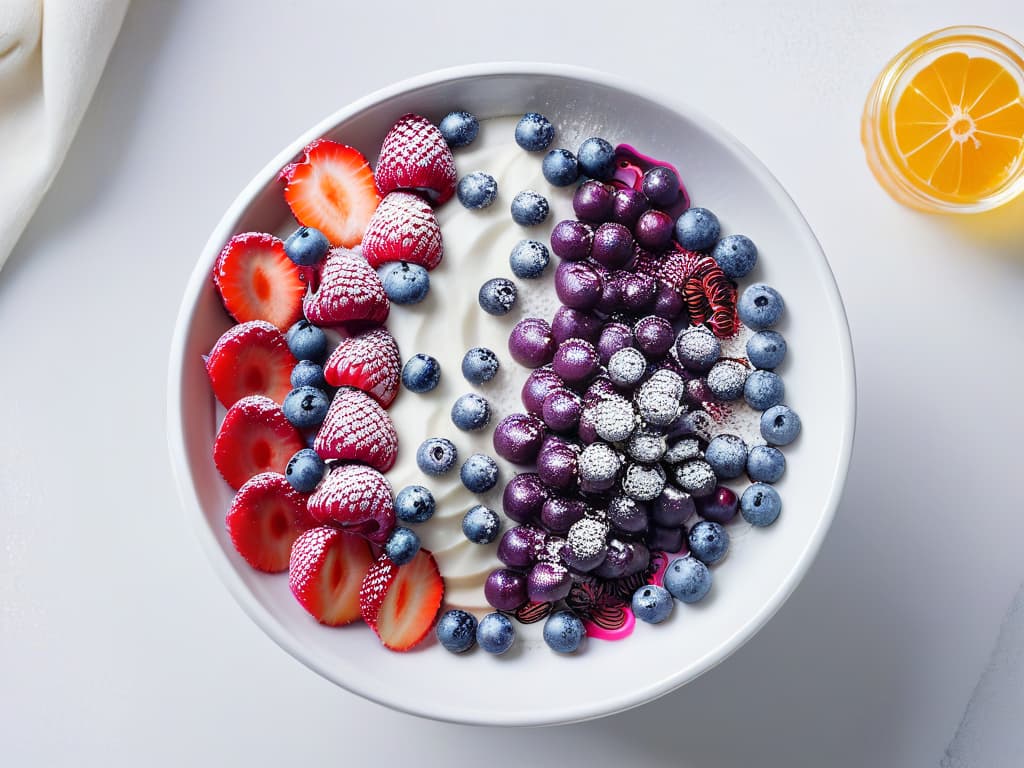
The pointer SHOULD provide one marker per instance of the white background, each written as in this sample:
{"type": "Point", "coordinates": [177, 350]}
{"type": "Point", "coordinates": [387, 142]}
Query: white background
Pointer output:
{"type": "Point", "coordinates": [119, 647]}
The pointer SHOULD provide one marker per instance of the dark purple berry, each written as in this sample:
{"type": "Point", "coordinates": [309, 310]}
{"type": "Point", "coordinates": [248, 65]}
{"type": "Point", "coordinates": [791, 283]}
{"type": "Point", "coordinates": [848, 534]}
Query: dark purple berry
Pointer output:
{"type": "Point", "coordinates": [521, 546]}
{"type": "Point", "coordinates": [654, 335]}
{"type": "Point", "coordinates": [531, 343]}
{"type": "Point", "coordinates": [613, 246]}
{"type": "Point", "coordinates": [505, 589]}
{"type": "Point", "coordinates": [668, 303]}
{"type": "Point", "coordinates": [638, 290]}
{"type": "Point", "coordinates": [523, 497]}
{"type": "Point", "coordinates": [662, 539]}
{"type": "Point", "coordinates": [698, 393]}
{"type": "Point", "coordinates": [672, 508]}
{"type": "Point", "coordinates": [653, 230]}
{"type": "Point", "coordinates": [578, 285]}
{"type": "Point", "coordinates": [571, 240]}
{"type": "Point", "coordinates": [594, 202]}
{"type": "Point", "coordinates": [720, 506]}
{"type": "Point", "coordinates": [614, 336]}
{"type": "Point", "coordinates": [623, 559]}
{"type": "Point", "coordinates": [538, 385]}
{"type": "Point", "coordinates": [548, 582]}
{"type": "Point", "coordinates": [562, 409]}
{"type": "Point", "coordinates": [610, 301]}
{"type": "Point", "coordinates": [576, 361]}
{"type": "Point", "coordinates": [569, 323]}
{"type": "Point", "coordinates": [599, 389]}
{"type": "Point", "coordinates": [628, 205]}
{"type": "Point", "coordinates": [627, 515]}
{"type": "Point", "coordinates": [557, 467]}
{"type": "Point", "coordinates": [661, 186]}
{"type": "Point", "coordinates": [518, 437]}
{"type": "Point", "coordinates": [586, 431]}
{"type": "Point", "coordinates": [558, 514]}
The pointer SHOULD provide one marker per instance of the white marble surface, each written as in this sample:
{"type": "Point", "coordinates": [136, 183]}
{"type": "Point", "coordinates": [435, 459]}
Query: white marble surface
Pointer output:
{"type": "Point", "coordinates": [117, 644]}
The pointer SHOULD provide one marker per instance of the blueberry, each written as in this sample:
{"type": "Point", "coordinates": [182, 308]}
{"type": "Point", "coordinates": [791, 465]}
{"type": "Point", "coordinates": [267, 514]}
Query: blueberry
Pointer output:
{"type": "Point", "coordinates": [479, 473]}
{"type": "Point", "coordinates": [708, 541]}
{"type": "Point", "coordinates": [459, 128]}
{"type": "Point", "coordinates": [481, 525]}
{"type": "Point", "coordinates": [456, 631]}
{"type": "Point", "coordinates": [421, 373]}
{"type": "Point", "coordinates": [780, 425]}
{"type": "Point", "coordinates": [436, 456]}
{"type": "Point", "coordinates": [760, 505]}
{"type": "Point", "coordinates": [477, 190]}
{"type": "Point", "coordinates": [497, 296]}
{"type": "Point", "coordinates": [306, 407]}
{"type": "Point", "coordinates": [760, 306]}
{"type": "Point", "coordinates": [736, 255]}
{"type": "Point", "coordinates": [529, 208]}
{"type": "Point", "coordinates": [529, 259]}
{"type": "Point", "coordinates": [305, 470]}
{"type": "Point", "coordinates": [763, 389]}
{"type": "Point", "coordinates": [306, 373]}
{"type": "Point", "coordinates": [534, 132]}
{"type": "Point", "coordinates": [560, 168]}
{"type": "Point", "coordinates": [306, 246]}
{"type": "Point", "coordinates": [697, 229]}
{"type": "Point", "coordinates": [307, 342]}
{"type": "Point", "coordinates": [765, 464]}
{"type": "Point", "coordinates": [563, 631]}
{"type": "Point", "coordinates": [479, 365]}
{"type": "Point", "coordinates": [727, 455]}
{"type": "Point", "coordinates": [402, 545]}
{"type": "Point", "coordinates": [687, 579]}
{"type": "Point", "coordinates": [596, 159]}
{"type": "Point", "coordinates": [652, 604]}
{"type": "Point", "coordinates": [404, 283]}
{"type": "Point", "coordinates": [766, 349]}
{"type": "Point", "coordinates": [495, 633]}
{"type": "Point", "coordinates": [471, 412]}
{"type": "Point", "coordinates": [414, 504]}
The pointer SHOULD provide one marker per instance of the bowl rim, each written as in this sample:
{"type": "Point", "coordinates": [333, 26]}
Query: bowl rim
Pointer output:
{"type": "Point", "coordinates": [274, 628]}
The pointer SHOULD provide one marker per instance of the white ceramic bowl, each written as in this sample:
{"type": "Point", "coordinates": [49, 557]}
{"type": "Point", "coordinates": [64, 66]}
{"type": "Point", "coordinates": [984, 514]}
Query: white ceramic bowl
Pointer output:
{"type": "Point", "coordinates": [533, 685]}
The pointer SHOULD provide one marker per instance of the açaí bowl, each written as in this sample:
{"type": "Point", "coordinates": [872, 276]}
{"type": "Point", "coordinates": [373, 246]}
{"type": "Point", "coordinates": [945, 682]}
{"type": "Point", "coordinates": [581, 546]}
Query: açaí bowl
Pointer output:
{"type": "Point", "coordinates": [532, 685]}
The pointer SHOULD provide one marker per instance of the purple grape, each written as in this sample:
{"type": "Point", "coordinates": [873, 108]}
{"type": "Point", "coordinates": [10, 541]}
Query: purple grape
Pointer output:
{"type": "Point", "coordinates": [571, 240]}
{"type": "Point", "coordinates": [523, 497]}
{"type": "Point", "coordinates": [576, 361]}
{"type": "Point", "coordinates": [521, 546]}
{"type": "Point", "coordinates": [620, 560]}
{"type": "Point", "coordinates": [666, 539]}
{"type": "Point", "coordinates": [654, 335]}
{"type": "Point", "coordinates": [661, 186]}
{"type": "Point", "coordinates": [505, 589]}
{"type": "Point", "coordinates": [653, 230]}
{"type": "Point", "coordinates": [672, 508]}
{"type": "Point", "coordinates": [610, 301]}
{"type": "Point", "coordinates": [586, 431]}
{"type": "Point", "coordinates": [641, 558]}
{"type": "Point", "coordinates": [585, 547]}
{"type": "Point", "coordinates": [638, 290]}
{"type": "Point", "coordinates": [531, 343]}
{"type": "Point", "coordinates": [548, 582]}
{"type": "Point", "coordinates": [578, 285]}
{"type": "Point", "coordinates": [720, 506]}
{"type": "Point", "coordinates": [628, 205]}
{"type": "Point", "coordinates": [668, 303]}
{"type": "Point", "coordinates": [555, 442]}
{"type": "Point", "coordinates": [582, 564]}
{"type": "Point", "coordinates": [558, 467]}
{"type": "Point", "coordinates": [613, 246]}
{"type": "Point", "coordinates": [598, 390]}
{"type": "Point", "coordinates": [627, 515]}
{"type": "Point", "coordinates": [562, 409]}
{"type": "Point", "coordinates": [558, 513]}
{"type": "Point", "coordinates": [594, 202]}
{"type": "Point", "coordinates": [698, 393]}
{"type": "Point", "coordinates": [614, 336]}
{"type": "Point", "coordinates": [538, 385]}
{"type": "Point", "coordinates": [518, 437]}
{"type": "Point", "coordinates": [569, 323]}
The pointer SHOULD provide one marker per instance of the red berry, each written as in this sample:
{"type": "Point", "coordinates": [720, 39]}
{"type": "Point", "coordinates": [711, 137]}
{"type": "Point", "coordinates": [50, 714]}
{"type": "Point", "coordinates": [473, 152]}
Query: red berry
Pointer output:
{"type": "Point", "coordinates": [414, 157]}
{"type": "Point", "coordinates": [257, 281]}
{"type": "Point", "coordinates": [403, 228]}
{"type": "Point", "coordinates": [250, 359]}
{"type": "Point", "coordinates": [265, 518]}
{"type": "Point", "coordinates": [357, 429]}
{"type": "Point", "coordinates": [325, 572]}
{"type": "Point", "coordinates": [349, 292]}
{"type": "Point", "coordinates": [369, 361]}
{"type": "Point", "coordinates": [254, 437]}
{"type": "Point", "coordinates": [356, 498]}
{"type": "Point", "coordinates": [400, 603]}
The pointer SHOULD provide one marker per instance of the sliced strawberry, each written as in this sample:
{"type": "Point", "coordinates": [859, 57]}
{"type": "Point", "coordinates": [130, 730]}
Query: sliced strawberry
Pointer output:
{"type": "Point", "coordinates": [332, 189]}
{"type": "Point", "coordinates": [357, 429]}
{"type": "Point", "coordinates": [265, 518]}
{"type": "Point", "coordinates": [357, 498]}
{"type": "Point", "coordinates": [415, 157]}
{"type": "Point", "coordinates": [326, 571]}
{"type": "Point", "coordinates": [250, 359]}
{"type": "Point", "coordinates": [403, 228]}
{"type": "Point", "coordinates": [254, 437]}
{"type": "Point", "coordinates": [369, 361]}
{"type": "Point", "coordinates": [400, 603]}
{"type": "Point", "coordinates": [349, 292]}
{"type": "Point", "coordinates": [257, 280]}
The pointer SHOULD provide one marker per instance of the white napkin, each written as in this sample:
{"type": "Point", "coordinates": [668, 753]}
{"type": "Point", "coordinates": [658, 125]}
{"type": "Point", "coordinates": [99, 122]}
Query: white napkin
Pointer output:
{"type": "Point", "coordinates": [51, 55]}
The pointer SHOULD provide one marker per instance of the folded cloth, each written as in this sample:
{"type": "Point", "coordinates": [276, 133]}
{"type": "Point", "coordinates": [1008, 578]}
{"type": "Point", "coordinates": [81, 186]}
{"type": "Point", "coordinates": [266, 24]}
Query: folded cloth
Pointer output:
{"type": "Point", "coordinates": [51, 55]}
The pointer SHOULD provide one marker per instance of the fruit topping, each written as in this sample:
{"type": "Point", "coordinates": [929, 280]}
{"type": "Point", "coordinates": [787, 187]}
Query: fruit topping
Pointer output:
{"type": "Point", "coordinates": [265, 518]}
{"type": "Point", "coordinates": [400, 603]}
{"type": "Point", "coordinates": [414, 157]}
{"type": "Point", "coordinates": [349, 292]}
{"type": "Point", "coordinates": [369, 361]}
{"type": "Point", "coordinates": [250, 359]}
{"type": "Point", "coordinates": [325, 573]}
{"type": "Point", "coordinates": [357, 429]}
{"type": "Point", "coordinates": [357, 499]}
{"type": "Point", "coordinates": [403, 228]}
{"type": "Point", "coordinates": [254, 437]}
{"type": "Point", "coordinates": [257, 281]}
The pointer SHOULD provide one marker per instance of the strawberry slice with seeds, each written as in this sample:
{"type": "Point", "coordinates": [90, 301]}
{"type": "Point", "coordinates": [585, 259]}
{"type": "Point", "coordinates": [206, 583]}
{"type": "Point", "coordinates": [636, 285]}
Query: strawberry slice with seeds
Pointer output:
{"type": "Point", "coordinates": [250, 359]}
{"type": "Point", "coordinates": [369, 361]}
{"type": "Point", "coordinates": [356, 428]}
{"type": "Point", "coordinates": [400, 603]}
{"type": "Point", "coordinates": [403, 228]}
{"type": "Point", "coordinates": [349, 292]}
{"type": "Point", "coordinates": [415, 157]}
{"type": "Point", "coordinates": [254, 437]}
{"type": "Point", "coordinates": [257, 281]}
{"type": "Point", "coordinates": [331, 188]}
{"type": "Point", "coordinates": [266, 517]}
{"type": "Point", "coordinates": [325, 573]}
{"type": "Point", "coordinates": [358, 499]}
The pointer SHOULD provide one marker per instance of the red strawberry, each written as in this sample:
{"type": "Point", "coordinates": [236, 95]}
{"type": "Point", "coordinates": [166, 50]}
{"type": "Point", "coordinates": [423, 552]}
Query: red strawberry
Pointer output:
{"type": "Point", "coordinates": [403, 228]}
{"type": "Point", "coordinates": [357, 429]}
{"type": "Point", "coordinates": [349, 291]}
{"type": "Point", "coordinates": [250, 359]}
{"type": "Point", "coordinates": [254, 437]}
{"type": "Point", "coordinates": [400, 603]}
{"type": "Point", "coordinates": [370, 362]}
{"type": "Point", "coordinates": [357, 498]}
{"type": "Point", "coordinates": [257, 280]}
{"type": "Point", "coordinates": [265, 518]}
{"type": "Point", "coordinates": [326, 571]}
{"type": "Point", "coordinates": [415, 157]}
{"type": "Point", "coordinates": [331, 188]}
